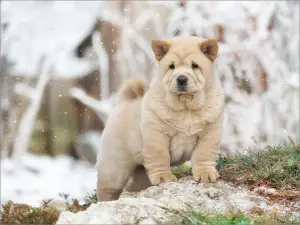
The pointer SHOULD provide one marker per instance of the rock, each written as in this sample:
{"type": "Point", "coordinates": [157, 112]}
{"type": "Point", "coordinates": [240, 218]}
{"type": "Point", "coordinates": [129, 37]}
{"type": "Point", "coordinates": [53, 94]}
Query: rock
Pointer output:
{"type": "Point", "coordinates": [125, 210]}
{"type": "Point", "coordinates": [162, 204]}
{"type": "Point", "coordinates": [213, 193]}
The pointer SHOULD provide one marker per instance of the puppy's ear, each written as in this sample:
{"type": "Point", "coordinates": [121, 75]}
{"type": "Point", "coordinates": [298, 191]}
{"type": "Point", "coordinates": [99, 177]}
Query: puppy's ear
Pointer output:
{"type": "Point", "coordinates": [160, 48]}
{"type": "Point", "coordinates": [210, 48]}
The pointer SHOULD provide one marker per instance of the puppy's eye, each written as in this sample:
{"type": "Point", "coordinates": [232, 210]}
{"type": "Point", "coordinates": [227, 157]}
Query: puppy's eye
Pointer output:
{"type": "Point", "coordinates": [172, 66]}
{"type": "Point", "coordinates": [195, 66]}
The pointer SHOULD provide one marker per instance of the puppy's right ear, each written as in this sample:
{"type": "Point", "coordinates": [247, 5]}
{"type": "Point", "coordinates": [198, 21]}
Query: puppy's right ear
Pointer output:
{"type": "Point", "coordinates": [160, 48]}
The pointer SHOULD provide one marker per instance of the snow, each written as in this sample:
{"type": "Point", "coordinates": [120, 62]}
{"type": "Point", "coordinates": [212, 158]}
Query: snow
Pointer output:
{"type": "Point", "coordinates": [39, 178]}
{"type": "Point", "coordinates": [38, 29]}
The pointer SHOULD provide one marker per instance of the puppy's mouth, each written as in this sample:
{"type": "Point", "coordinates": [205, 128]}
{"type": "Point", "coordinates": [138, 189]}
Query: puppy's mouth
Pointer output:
{"type": "Point", "coordinates": [183, 97]}
{"type": "Point", "coordinates": [181, 89]}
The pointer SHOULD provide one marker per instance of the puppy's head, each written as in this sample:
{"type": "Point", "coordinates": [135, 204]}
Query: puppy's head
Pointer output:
{"type": "Point", "coordinates": [185, 64]}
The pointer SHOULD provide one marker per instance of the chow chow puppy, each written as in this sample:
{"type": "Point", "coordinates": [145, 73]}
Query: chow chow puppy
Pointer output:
{"type": "Point", "coordinates": [178, 119]}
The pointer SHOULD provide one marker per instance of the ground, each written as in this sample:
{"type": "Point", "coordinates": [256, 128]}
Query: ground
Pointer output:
{"type": "Point", "coordinates": [258, 187]}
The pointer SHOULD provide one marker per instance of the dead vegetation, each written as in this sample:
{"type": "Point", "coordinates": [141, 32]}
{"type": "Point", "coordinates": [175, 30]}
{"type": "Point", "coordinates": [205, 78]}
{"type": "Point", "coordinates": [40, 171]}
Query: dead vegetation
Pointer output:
{"type": "Point", "coordinates": [25, 214]}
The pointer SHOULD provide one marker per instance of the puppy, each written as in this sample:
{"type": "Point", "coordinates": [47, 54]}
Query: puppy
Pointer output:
{"type": "Point", "coordinates": [178, 119]}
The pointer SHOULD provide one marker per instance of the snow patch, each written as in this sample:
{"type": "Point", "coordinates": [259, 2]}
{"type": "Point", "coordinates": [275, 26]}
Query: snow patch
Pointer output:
{"type": "Point", "coordinates": [37, 178]}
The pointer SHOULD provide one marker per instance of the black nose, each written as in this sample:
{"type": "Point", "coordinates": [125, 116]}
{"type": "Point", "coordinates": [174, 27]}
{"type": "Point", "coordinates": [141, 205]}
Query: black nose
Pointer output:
{"type": "Point", "coordinates": [182, 80]}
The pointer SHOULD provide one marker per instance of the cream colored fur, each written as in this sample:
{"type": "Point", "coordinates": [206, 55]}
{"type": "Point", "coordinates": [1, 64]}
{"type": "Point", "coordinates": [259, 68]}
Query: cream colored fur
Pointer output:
{"type": "Point", "coordinates": [146, 135]}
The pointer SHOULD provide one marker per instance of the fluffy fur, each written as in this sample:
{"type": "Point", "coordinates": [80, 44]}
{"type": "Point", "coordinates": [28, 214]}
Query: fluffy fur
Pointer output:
{"type": "Point", "coordinates": [178, 119]}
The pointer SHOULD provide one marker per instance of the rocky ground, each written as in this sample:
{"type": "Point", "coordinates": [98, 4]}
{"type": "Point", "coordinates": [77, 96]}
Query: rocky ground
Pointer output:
{"type": "Point", "coordinates": [168, 203]}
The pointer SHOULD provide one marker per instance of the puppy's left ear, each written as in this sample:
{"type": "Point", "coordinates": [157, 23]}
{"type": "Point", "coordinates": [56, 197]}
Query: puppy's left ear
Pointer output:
{"type": "Point", "coordinates": [160, 48]}
{"type": "Point", "coordinates": [210, 48]}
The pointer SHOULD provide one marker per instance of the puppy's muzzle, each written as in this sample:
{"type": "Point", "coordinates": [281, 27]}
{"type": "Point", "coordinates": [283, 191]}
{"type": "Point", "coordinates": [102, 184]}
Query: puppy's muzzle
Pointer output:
{"type": "Point", "coordinates": [182, 83]}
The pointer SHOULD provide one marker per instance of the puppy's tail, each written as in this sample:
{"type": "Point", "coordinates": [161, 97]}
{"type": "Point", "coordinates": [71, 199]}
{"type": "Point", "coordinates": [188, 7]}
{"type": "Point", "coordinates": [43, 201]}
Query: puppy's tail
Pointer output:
{"type": "Point", "coordinates": [131, 89]}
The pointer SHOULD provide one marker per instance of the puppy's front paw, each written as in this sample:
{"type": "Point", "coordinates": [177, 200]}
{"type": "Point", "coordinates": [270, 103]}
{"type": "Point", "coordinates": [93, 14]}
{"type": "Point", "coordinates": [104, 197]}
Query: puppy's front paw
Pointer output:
{"type": "Point", "coordinates": [157, 178]}
{"type": "Point", "coordinates": [205, 174]}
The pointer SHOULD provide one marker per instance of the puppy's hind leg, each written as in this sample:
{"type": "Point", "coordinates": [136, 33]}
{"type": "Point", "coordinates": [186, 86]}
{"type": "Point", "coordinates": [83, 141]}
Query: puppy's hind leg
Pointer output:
{"type": "Point", "coordinates": [111, 179]}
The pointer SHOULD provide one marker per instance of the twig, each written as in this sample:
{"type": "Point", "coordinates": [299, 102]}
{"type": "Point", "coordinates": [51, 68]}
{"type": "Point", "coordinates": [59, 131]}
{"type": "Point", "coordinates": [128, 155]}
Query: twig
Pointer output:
{"type": "Point", "coordinates": [26, 126]}
{"type": "Point", "coordinates": [116, 20]}
{"type": "Point", "coordinates": [25, 90]}
{"type": "Point", "coordinates": [102, 110]}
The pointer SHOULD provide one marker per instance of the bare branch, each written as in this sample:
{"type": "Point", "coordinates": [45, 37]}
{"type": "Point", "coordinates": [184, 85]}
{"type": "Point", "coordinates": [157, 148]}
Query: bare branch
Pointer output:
{"type": "Point", "coordinates": [102, 108]}
{"type": "Point", "coordinates": [27, 122]}
{"type": "Point", "coordinates": [103, 65]}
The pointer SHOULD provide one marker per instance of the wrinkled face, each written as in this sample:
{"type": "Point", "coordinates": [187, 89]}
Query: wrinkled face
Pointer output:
{"type": "Point", "coordinates": [185, 64]}
{"type": "Point", "coordinates": [182, 74]}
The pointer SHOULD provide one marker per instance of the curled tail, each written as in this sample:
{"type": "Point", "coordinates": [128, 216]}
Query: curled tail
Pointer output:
{"type": "Point", "coordinates": [131, 89]}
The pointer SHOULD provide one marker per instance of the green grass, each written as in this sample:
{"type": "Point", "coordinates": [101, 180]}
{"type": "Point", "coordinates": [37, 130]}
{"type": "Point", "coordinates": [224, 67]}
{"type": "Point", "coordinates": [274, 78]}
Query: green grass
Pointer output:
{"type": "Point", "coordinates": [91, 198]}
{"type": "Point", "coordinates": [182, 171]}
{"type": "Point", "coordinates": [235, 218]}
{"type": "Point", "coordinates": [197, 218]}
{"type": "Point", "coordinates": [275, 166]}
